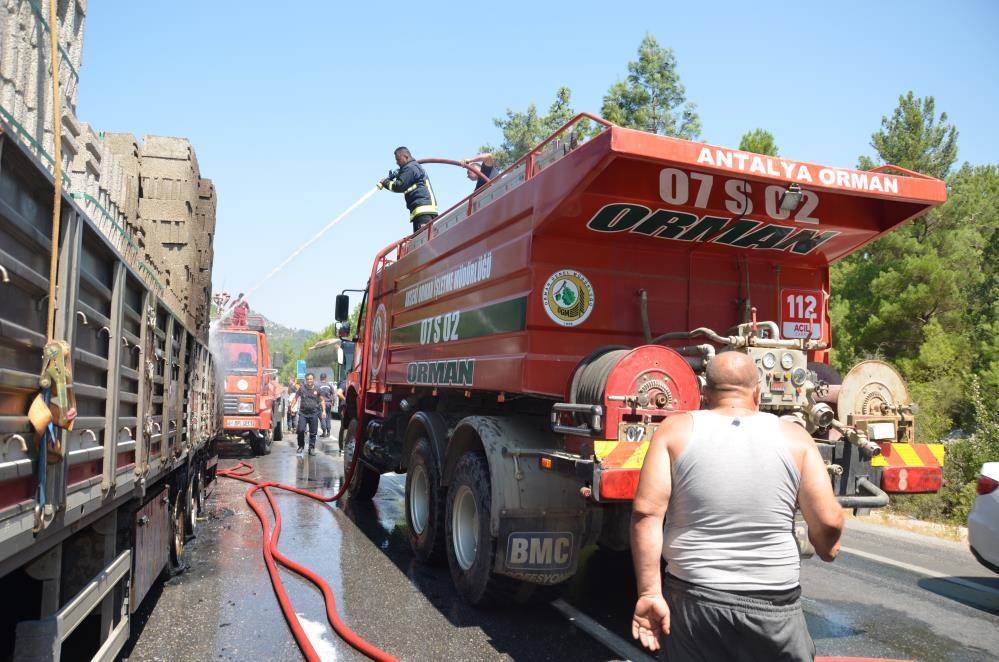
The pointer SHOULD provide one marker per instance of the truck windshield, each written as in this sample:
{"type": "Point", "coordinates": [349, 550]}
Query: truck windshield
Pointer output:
{"type": "Point", "coordinates": [239, 352]}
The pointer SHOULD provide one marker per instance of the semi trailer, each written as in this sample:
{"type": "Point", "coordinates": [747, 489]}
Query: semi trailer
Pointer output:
{"type": "Point", "coordinates": [92, 514]}
{"type": "Point", "coordinates": [516, 356]}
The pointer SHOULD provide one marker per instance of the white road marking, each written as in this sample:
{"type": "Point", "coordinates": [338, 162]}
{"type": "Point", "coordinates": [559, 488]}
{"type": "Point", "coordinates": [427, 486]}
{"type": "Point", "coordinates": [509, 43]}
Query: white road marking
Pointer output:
{"type": "Point", "coordinates": [600, 633]}
{"type": "Point", "coordinates": [919, 570]}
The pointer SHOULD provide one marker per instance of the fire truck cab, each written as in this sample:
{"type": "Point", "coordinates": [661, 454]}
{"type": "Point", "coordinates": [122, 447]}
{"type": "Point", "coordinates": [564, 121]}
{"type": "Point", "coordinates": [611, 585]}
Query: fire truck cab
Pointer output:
{"type": "Point", "coordinates": [253, 409]}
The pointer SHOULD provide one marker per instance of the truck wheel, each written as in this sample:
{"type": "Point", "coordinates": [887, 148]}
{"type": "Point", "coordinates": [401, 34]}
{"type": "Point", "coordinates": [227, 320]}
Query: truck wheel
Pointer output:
{"type": "Point", "coordinates": [278, 431]}
{"type": "Point", "coordinates": [364, 482]}
{"type": "Point", "coordinates": [260, 443]}
{"type": "Point", "coordinates": [471, 549]}
{"type": "Point", "coordinates": [177, 521]}
{"type": "Point", "coordinates": [200, 495]}
{"type": "Point", "coordinates": [191, 504]}
{"type": "Point", "coordinates": [424, 504]}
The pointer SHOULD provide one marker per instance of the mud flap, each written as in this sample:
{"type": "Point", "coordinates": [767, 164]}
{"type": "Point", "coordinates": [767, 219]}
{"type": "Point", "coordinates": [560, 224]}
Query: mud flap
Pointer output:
{"type": "Point", "coordinates": [539, 549]}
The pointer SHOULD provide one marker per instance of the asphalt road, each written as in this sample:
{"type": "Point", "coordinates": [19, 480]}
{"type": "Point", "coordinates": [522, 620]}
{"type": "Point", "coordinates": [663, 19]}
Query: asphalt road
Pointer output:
{"type": "Point", "coordinates": [893, 594]}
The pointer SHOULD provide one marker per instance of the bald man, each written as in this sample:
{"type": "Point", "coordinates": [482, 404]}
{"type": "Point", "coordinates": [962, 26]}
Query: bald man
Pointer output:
{"type": "Point", "coordinates": [727, 480]}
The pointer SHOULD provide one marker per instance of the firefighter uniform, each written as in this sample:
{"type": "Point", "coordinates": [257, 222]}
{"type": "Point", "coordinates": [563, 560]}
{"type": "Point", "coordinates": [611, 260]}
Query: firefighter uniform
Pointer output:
{"type": "Point", "coordinates": [411, 179]}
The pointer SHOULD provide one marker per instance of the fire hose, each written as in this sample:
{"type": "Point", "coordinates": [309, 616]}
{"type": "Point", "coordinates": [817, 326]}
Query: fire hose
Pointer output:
{"type": "Point", "coordinates": [269, 542]}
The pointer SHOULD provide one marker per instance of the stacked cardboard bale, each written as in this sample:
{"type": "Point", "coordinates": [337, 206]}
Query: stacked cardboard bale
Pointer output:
{"type": "Point", "coordinates": [25, 72]}
{"type": "Point", "coordinates": [148, 198]}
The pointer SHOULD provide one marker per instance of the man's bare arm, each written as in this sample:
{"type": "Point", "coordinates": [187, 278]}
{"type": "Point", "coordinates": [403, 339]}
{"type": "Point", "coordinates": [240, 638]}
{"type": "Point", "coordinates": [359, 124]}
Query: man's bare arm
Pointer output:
{"type": "Point", "coordinates": [651, 618]}
{"type": "Point", "coordinates": [818, 504]}
{"type": "Point", "coordinates": [486, 158]}
{"type": "Point", "coordinates": [648, 511]}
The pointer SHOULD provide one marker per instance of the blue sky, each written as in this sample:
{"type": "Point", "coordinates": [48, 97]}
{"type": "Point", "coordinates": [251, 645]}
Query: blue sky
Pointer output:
{"type": "Point", "coordinates": [294, 108]}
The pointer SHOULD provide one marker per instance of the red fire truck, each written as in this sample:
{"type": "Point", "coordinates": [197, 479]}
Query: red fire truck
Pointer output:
{"type": "Point", "coordinates": [516, 356]}
{"type": "Point", "coordinates": [252, 405]}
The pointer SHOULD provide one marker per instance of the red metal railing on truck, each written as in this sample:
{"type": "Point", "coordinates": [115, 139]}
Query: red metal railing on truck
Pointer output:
{"type": "Point", "coordinates": [530, 164]}
{"type": "Point", "coordinates": [381, 261]}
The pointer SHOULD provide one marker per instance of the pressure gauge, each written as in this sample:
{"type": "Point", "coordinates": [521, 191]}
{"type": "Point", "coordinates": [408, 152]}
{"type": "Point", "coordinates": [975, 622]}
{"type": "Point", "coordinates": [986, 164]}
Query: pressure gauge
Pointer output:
{"type": "Point", "coordinates": [769, 361]}
{"type": "Point", "coordinates": [798, 376]}
{"type": "Point", "coordinates": [786, 360]}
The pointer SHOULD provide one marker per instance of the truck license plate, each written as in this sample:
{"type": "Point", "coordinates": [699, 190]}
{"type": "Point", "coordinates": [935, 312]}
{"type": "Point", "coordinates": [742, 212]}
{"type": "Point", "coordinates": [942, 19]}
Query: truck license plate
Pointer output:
{"type": "Point", "coordinates": [242, 423]}
{"type": "Point", "coordinates": [541, 550]}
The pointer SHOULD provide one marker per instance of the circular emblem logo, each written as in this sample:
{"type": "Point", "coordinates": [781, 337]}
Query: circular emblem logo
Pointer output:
{"type": "Point", "coordinates": [242, 384]}
{"type": "Point", "coordinates": [568, 297]}
{"type": "Point", "coordinates": [379, 339]}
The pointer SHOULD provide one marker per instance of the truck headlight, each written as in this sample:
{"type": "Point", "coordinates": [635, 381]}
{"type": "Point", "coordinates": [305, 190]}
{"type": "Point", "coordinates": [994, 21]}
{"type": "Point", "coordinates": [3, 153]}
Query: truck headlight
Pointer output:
{"type": "Point", "coordinates": [245, 408]}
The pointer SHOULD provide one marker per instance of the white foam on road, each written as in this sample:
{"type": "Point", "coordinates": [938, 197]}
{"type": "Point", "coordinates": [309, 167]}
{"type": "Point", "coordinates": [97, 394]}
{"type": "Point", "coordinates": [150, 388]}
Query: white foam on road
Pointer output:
{"type": "Point", "coordinates": [317, 633]}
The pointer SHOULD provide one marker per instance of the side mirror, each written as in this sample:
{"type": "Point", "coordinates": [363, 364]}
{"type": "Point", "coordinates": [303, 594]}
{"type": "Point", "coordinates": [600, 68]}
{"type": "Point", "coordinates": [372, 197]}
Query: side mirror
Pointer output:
{"type": "Point", "coordinates": [343, 329]}
{"type": "Point", "coordinates": [341, 311]}
{"type": "Point", "coordinates": [277, 360]}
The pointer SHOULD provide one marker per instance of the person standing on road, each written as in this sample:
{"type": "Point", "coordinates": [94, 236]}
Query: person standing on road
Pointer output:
{"type": "Point", "coordinates": [328, 393]}
{"type": "Point", "coordinates": [293, 387]}
{"type": "Point", "coordinates": [310, 406]}
{"type": "Point", "coordinates": [411, 179]}
{"type": "Point", "coordinates": [728, 480]}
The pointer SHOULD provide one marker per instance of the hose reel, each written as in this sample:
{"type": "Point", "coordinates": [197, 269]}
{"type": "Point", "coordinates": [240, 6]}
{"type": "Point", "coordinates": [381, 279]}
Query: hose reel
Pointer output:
{"type": "Point", "coordinates": [649, 381]}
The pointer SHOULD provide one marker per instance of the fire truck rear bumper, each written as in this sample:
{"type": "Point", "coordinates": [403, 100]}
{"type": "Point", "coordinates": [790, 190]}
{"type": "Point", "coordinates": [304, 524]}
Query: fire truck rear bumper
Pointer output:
{"type": "Point", "coordinates": [604, 483]}
{"type": "Point", "coordinates": [910, 468]}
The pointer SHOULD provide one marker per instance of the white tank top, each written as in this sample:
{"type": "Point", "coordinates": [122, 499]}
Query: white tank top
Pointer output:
{"type": "Point", "coordinates": [729, 525]}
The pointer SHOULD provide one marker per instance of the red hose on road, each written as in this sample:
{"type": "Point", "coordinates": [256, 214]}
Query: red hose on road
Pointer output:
{"type": "Point", "coordinates": [269, 542]}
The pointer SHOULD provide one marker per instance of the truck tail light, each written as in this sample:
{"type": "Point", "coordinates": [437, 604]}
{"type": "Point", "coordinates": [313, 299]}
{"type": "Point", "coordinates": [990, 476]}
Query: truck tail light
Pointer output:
{"type": "Point", "coordinates": [912, 480]}
{"type": "Point", "coordinates": [987, 485]}
{"type": "Point", "coordinates": [619, 484]}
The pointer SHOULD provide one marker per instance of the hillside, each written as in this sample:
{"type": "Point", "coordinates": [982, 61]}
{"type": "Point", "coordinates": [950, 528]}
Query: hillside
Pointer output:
{"type": "Point", "coordinates": [284, 339]}
{"type": "Point", "coordinates": [277, 334]}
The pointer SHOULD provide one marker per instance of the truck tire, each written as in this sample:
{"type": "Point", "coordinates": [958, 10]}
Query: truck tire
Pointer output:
{"type": "Point", "coordinates": [364, 482]}
{"type": "Point", "coordinates": [202, 489]}
{"type": "Point", "coordinates": [191, 504]}
{"type": "Point", "coordinates": [471, 548]}
{"type": "Point", "coordinates": [260, 443]}
{"type": "Point", "coordinates": [425, 504]}
{"type": "Point", "coordinates": [177, 534]}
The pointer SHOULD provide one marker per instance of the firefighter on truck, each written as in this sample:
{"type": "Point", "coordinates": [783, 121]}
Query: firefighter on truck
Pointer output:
{"type": "Point", "coordinates": [411, 179]}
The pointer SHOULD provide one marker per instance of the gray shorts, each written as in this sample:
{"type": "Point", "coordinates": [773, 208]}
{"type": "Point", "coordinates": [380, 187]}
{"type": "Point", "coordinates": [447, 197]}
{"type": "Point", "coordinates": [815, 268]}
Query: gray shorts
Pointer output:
{"type": "Point", "coordinates": [709, 625]}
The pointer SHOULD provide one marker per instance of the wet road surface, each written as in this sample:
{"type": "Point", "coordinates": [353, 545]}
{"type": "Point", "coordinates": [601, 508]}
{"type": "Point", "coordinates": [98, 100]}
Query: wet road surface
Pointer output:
{"type": "Point", "coordinates": [222, 607]}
